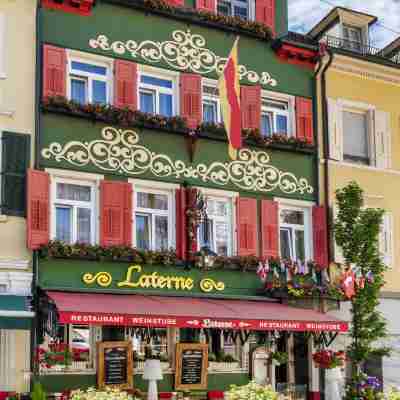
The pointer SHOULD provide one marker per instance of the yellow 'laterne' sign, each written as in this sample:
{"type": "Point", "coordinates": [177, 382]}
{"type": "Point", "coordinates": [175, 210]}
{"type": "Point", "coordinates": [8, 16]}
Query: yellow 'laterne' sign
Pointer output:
{"type": "Point", "coordinates": [134, 278]}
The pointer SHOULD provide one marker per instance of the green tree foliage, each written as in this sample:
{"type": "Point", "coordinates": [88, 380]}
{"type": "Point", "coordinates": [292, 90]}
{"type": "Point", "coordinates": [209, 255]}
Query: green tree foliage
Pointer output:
{"type": "Point", "coordinates": [357, 233]}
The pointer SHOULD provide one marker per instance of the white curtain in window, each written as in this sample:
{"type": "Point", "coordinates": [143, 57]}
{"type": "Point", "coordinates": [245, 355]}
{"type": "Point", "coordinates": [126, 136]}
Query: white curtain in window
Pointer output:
{"type": "Point", "coordinates": [355, 140]}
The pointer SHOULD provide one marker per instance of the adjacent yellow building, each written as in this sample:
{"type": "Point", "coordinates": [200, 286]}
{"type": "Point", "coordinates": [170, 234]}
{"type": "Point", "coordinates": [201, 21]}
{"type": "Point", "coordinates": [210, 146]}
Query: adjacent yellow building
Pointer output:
{"type": "Point", "coordinates": [358, 89]}
{"type": "Point", "coordinates": [17, 123]}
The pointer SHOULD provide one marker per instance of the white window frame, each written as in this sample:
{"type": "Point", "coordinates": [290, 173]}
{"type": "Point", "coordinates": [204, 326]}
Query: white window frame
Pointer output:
{"type": "Point", "coordinates": [353, 44]}
{"type": "Point", "coordinates": [251, 12]}
{"type": "Point", "coordinates": [280, 97]}
{"type": "Point", "coordinates": [368, 128]}
{"type": "Point", "coordinates": [67, 339]}
{"type": "Point", "coordinates": [75, 178]}
{"type": "Point", "coordinates": [306, 208]}
{"type": "Point", "coordinates": [352, 20]}
{"type": "Point", "coordinates": [88, 77]}
{"type": "Point", "coordinates": [369, 111]}
{"type": "Point", "coordinates": [209, 97]}
{"type": "Point", "coordinates": [155, 188]}
{"type": "Point", "coordinates": [230, 198]}
{"type": "Point", "coordinates": [160, 74]}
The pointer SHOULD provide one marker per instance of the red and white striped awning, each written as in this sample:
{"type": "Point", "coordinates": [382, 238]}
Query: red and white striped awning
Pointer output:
{"type": "Point", "coordinates": [185, 312]}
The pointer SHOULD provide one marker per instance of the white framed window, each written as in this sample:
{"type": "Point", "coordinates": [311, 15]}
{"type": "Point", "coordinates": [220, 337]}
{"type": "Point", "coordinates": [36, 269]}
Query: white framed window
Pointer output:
{"type": "Point", "coordinates": [217, 231]}
{"type": "Point", "coordinates": [154, 216]}
{"type": "Point", "coordinates": [89, 79]}
{"type": "Point", "coordinates": [359, 133]}
{"type": "Point", "coordinates": [157, 92]}
{"type": "Point", "coordinates": [80, 340]}
{"type": "Point", "coordinates": [210, 102]}
{"type": "Point", "coordinates": [73, 210]}
{"type": "Point", "coordinates": [356, 138]}
{"type": "Point", "coordinates": [159, 344]}
{"type": "Point", "coordinates": [295, 231]}
{"type": "Point", "coordinates": [236, 8]}
{"type": "Point", "coordinates": [277, 114]}
{"type": "Point", "coordinates": [352, 36]}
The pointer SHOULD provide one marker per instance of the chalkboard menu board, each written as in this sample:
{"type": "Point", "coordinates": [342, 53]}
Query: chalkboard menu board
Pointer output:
{"type": "Point", "coordinates": [191, 366]}
{"type": "Point", "coordinates": [115, 365]}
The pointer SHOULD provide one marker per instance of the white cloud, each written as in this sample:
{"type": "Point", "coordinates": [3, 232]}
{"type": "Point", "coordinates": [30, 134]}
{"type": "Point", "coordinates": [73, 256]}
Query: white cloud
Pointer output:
{"type": "Point", "coordinates": [304, 14]}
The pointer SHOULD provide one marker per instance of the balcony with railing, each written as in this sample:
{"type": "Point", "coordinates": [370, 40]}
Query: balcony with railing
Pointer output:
{"type": "Point", "coordinates": [359, 48]}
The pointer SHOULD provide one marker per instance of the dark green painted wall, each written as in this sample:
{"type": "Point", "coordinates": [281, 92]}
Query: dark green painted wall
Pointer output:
{"type": "Point", "coordinates": [72, 31]}
{"type": "Point", "coordinates": [59, 383]}
{"type": "Point", "coordinates": [64, 129]}
{"type": "Point", "coordinates": [67, 275]}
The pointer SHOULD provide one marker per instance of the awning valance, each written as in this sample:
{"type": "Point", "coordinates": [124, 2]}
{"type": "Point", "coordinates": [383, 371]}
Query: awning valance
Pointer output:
{"type": "Point", "coordinates": [15, 312]}
{"type": "Point", "coordinates": [185, 312]}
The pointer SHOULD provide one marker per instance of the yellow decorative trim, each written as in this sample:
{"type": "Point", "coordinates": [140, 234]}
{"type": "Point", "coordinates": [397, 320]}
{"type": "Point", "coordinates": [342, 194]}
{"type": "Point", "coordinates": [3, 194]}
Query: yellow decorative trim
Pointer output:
{"type": "Point", "coordinates": [134, 278]}
{"type": "Point", "coordinates": [120, 152]}
{"type": "Point", "coordinates": [208, 285]}
{"type": "Point", "coordinates": [103, 279]}
{"type": "Point", "coordinates": [186, 52]}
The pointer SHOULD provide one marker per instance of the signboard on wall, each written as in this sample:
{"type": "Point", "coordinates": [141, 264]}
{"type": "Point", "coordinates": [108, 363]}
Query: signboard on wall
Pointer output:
{"type": "Point", "coordinates": [115, 365]}
{"type": "Point", "coordinates": [191, 366]}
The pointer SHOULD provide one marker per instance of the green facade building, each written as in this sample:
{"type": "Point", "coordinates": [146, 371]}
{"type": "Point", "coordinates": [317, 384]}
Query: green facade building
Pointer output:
{"type": "Point", "coordinates": [145, 229]}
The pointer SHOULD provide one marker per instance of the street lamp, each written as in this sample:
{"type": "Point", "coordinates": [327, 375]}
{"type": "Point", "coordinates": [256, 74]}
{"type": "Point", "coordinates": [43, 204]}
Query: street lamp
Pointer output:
{"type": "Point", "coordinates": [205, 256]}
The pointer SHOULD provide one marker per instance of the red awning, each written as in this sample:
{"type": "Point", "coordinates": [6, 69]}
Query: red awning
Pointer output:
{"type": "Point", "coordinates": [185, 312]}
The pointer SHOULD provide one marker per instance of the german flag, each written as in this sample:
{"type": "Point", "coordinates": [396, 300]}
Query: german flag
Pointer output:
{"type": "Point", "coordinates": [229, 94]}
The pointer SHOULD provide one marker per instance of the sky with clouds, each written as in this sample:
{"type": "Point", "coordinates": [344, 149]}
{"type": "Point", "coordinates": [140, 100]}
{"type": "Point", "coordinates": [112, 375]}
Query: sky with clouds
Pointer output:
{"type": "Point", "coordinates": [304, 14]}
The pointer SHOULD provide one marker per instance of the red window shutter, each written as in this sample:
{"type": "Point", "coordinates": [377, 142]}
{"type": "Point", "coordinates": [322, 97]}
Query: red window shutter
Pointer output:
{"type": "Point", "coordinates": [304, 119]}
{"type": "Point", "coordinates": [181, 230]}
{"type": "Point", "coordinates": [54, 71]}
{"type": "Point", "coordinates": [320, 236]}
{"type": "Point", "coordinates": [190, 98]}
{"type": "Point", "coordinates": [176, 3]}
{"type": "Point", "coordinates": [38, 209]}
{"type": "Point", "coordinates": [128, 213]}
{"type": "Point", "coordinates": [246, 226]}
{"type": "Point", "coordinates": [125, 84]}
{"type": "Point", "coordinates": [250, 99]}
{"type": "Point", "coordinates": [265, 13]}
{"type": "Point", "coordinates": [113, 209]}
{"type": "Point", "coordinates": [269, 229]}
{"type": "Point", "coordinates": [80, 7]}
{"type": "Point", "coordinates": [206, 5]}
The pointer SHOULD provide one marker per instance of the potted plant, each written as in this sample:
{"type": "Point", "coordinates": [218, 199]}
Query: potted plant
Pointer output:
{"type": "Point", "coordinates": [365, 387]}
{"type": "Point", "coordinates": [106, 394]}
{"type": "Point", "coordinates": [394, 394]}
{"type": "Point", "coordinates": [279, 358]}
{"type": "Point", "coordinates": [58, 357]}
{"type": "Point", "coordinates": [222, 362]}
{"type": "Point", "coordinates": [251, 391]}
{"type": "Point", "coordinates": [329, 359]}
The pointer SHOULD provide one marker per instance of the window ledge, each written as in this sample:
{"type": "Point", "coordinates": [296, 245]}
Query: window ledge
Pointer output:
{"type": "Point", "coordinates": [7, 113]}
{"type": "Point", "coordinates": [346, 164]}
{"type": "Point", "coordinates": [193, 15]}
{"type": "Point", "coordinates": [180, 131]}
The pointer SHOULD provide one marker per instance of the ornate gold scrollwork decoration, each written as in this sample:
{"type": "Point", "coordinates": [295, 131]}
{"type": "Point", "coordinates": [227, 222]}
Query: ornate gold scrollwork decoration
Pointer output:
{"type": "Point", "coordinates": [208, 285]}
{"type": "Point", "coordinates": [103, 279]}
{"type": "Point", "coordinates": [186, 52]}
{"type": "Point", "coordinates": [119, 151]}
